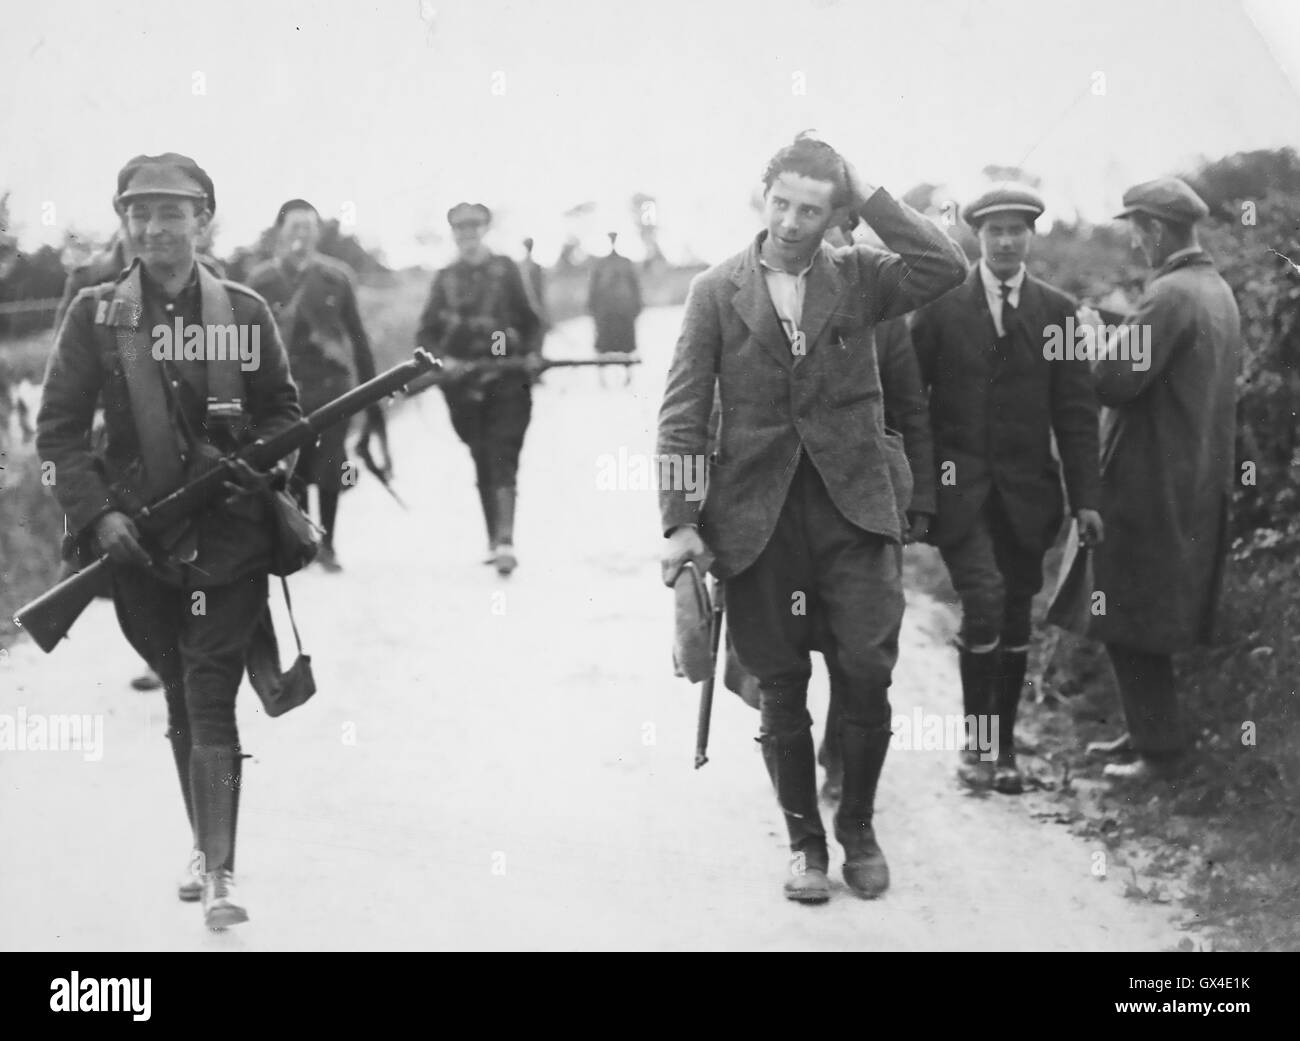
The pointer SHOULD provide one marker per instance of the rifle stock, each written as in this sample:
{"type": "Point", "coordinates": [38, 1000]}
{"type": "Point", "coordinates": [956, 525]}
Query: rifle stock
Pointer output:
{"type": "Point", "coordinates": [49, 617]}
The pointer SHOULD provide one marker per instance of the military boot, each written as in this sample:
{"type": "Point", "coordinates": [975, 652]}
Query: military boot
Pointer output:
{"type": "Point", "coordinates": [504, 557]}
{"type": "Point", "coordinates": [864, 750]}
{"type": "Point", "coordinates": [486, 498]}
{"type": "Point", "coordinates": [978, 674]}
{"type": "Point", "coordinates": [190, 886]}
{"type": "Point", "coordinates": [214, 772]}
{"type": "Point", "coordinates": [1007, 778]}
{"type": "Point", "coordinates": [789, 762]}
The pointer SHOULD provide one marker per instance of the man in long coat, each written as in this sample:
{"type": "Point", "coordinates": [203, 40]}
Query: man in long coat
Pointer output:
{"type": "Point", "coordinates": [1167, 381]}
{"type": "Point", "coordinates": [614, 301]}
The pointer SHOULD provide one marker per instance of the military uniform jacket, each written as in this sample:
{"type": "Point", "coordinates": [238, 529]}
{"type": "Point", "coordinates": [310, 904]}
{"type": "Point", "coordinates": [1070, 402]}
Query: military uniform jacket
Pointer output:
{"type": "Point", "coordinates": [471, 305]}
{"type": "Point", "coordinates": [994, 410]}
{"type": "Point", "coordinates": [777, 404]}
{"type": "Point", "coordinates": [86, 369]}
{"type": "Point", "coordinates": [320, 325]}
{"type": "Point", "coordinates": [1169, 463]}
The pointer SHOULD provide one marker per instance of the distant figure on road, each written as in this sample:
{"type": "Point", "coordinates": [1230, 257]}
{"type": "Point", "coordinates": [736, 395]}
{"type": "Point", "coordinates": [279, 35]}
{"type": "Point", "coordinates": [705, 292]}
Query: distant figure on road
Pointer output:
{"type": "Point", "coordinates": [314, 300]}
{"type": "Point", "coordinates": [614, 301]}
{"type": "Point", "coordinates": [535, 284]}
{"type": "Point", "coordinates": [1167, 471]}
{"type": "Point", "coordinates": [479, 323]}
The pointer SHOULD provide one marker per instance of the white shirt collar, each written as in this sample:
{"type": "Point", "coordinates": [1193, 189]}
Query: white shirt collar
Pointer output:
{"type": "Point", "coordinates": [992, 283]}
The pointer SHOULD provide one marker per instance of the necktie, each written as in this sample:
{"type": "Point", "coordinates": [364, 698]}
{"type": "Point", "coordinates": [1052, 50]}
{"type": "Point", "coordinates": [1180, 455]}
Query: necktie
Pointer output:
{"type": "Point", "coordinates": [1008, 311]}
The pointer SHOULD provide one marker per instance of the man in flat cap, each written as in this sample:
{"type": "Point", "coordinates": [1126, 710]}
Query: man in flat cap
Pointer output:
{"type": "Point", "coordinates": [191, 602]}
{"type": "Point", "coordinates": [995, 402]}
{"type": "Point", "coordinates": [805, 509]}
{"type": "Point", "coordinates": [1167, 458]}
{"type": "Point", "coordinates": [314, 300]}
{"type": "Point", "coordinates": [478, 317]}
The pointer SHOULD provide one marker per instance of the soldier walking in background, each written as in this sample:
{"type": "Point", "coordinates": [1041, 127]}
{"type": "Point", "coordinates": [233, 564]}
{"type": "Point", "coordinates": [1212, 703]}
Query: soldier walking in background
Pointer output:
{"type": "Point", "coordinates": [1167, 380]}
{"type": "Point", "coordinates": [166, 420]}
{"type": "Point", "coordinates": [806, 493]}
{"type": "Point", "coordinates": [314, 300]}
{"type": "Point", "coordinates": [995, 401]}
{"type": "Point", "coordinates": [478, 318]}
{"type": "Point", "coordinates": [614, 301]}
{"type": "Point", "coordinates": [535, 285]}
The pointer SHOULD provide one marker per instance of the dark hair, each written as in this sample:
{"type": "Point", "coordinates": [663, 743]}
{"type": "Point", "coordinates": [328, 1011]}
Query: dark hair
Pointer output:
{"type": "Point", "coordinates": [810, 157]}
{"type": "Point", "coordinates": [290, 206]}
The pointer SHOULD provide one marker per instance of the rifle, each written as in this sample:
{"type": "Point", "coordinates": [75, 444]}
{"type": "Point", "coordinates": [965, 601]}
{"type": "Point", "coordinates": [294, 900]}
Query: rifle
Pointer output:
{"type": "Point", "coordinates": [380, 472]}
{"type": "Point", "coordinates": [706, 689]}
{"type": "Point", "coordinates": [49, 617]}
{"type": "Point", "coordinates": [518, 363]}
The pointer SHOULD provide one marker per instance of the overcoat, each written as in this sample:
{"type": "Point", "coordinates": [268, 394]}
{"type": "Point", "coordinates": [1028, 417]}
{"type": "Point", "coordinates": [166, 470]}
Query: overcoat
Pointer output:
{"type": "Point", "coordinates": [1168, 462]}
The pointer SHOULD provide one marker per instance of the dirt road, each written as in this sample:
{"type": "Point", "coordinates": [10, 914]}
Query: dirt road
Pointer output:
{"type": "Point", "coordinates": [496, 764]}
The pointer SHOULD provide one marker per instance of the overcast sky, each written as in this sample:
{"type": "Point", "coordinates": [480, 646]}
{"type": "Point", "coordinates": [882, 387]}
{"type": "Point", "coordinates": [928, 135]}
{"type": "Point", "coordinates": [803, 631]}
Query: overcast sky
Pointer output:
{"type": "Point", "coordinates": [400, 108]}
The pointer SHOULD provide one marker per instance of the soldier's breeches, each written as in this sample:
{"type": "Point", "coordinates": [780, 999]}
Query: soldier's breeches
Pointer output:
{"type": "Point", "coordinates": [492, 426]}
{"type": "Point", "coordinates": [818, 560]}
{"type": "Point", "coordinates": [996, 578]}
{"type": "Point", "coordinates": [195, 644]}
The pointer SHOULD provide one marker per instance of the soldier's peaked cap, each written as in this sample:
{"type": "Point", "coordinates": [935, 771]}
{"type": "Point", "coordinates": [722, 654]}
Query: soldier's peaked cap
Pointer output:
{"type": "Point", "coordinates": [467, 211]}
{"type": "Point", "coordinates": [166, 174]}
{"type": "Point", "coordinates": [1168, 198]}
{"type": "Point", "coordinates": [1004, 197]}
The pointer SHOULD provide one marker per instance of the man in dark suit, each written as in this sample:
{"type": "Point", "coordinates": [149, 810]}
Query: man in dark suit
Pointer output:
{"type": "Point", "coordinates": [995, 401]}
{"type": "Point", "coordinates": [807, 493]}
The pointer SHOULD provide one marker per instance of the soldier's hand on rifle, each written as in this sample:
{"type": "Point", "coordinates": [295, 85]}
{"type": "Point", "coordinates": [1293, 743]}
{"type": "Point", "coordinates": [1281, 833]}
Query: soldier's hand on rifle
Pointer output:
{"type": "Point", "coordinates": [918, 526]}
{"type": "Point", "coordinates": [1091, 530]}
{"type": "Point", "coordinates": [247, 481]}
{"type": "Point", "coordinates": [684, 544]}
{"type": "Point", "coordinates": [534, 366]}
{"type": "Point", "coordinates": [120, 539]}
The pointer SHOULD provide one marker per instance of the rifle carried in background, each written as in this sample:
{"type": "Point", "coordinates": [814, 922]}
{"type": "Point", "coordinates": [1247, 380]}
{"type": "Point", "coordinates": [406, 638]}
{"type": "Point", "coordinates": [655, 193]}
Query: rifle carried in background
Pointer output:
{"type": "Point", "coordinates": [517, 363]}
{"type": "Point", "coordinates": [49, 617]}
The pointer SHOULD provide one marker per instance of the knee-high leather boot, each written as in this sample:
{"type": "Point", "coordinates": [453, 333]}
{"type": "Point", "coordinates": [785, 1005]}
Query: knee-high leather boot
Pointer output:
{"type": "Point", "coordinates": [214, 770]}
{"type": "Point", "coordinates": [789, 762]}
{"type": "Point", "coordinates": [978, 679]}
{"type": "Point", "coordinates": [506, 561]}
{"type": "Point", "coordinates": [1006, 692]}
{"type": "Point", "coordinates": [190, 887]}
{"type": "Point", "coordinates": [863, 750]}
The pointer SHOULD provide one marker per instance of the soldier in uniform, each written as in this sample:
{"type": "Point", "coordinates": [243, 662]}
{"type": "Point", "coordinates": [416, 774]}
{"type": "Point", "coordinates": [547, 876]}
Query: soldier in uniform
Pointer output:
{"type": "Point", "coordinates": [314, 301]}
{"type": "Point", "coordinates": [165, 421]}
{"type": "Point", "coordinates": [995, 401]}
{"type": "Point", "coordinates": [479, 322]}
{"type": "Point", "coordinates": [614, 301]}
{"type": "Point", "coordinates": [805, 504]}
{"type": "Point", "coordinates": [105, 266]}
